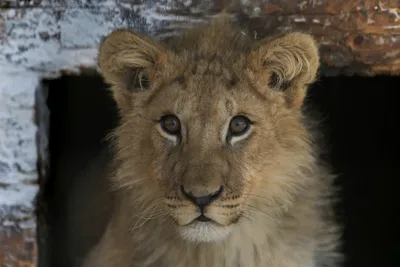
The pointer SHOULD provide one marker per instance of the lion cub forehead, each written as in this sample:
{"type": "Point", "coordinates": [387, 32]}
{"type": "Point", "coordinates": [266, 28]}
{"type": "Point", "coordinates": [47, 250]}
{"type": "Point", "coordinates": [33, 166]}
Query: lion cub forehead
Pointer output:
{"type": "Point", "coordinates": [209, 71]}
{"type": "Point", "coordinates": [196, 99]}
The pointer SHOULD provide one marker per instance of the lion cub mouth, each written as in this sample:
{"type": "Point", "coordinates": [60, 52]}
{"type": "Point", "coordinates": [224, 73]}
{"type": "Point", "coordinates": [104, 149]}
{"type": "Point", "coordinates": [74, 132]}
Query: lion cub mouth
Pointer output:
{"type": "Point", "coordinates": [204, 229]}
{"type": "Point", "coordinates": [203, 218]}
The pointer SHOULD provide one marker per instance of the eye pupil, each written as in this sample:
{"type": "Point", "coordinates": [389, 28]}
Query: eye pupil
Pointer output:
{"type": "Point", "coordinates": [170, 124]}
{"type": "Point", "coordinates": [239, 125]}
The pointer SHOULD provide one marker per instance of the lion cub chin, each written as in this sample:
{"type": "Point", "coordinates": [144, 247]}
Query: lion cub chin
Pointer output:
{"type": "Point", "coordinates": [197, 232]}
{"type": "Point", "coordinates": [215, 162]}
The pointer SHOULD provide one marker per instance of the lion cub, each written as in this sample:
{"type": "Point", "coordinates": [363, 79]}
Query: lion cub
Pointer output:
{"type": "Point", "coordinates": [214, 163]}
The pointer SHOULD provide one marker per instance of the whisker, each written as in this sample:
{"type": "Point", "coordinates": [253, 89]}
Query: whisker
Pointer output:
{"type": "Point", "coordinates": [246, 216]}
{"type": "Point", "coordinates": [153, 216]}
{"type": "Point", "coordinates": [143, 220]}
{"type": "Point", "coordinates": [151, 211]}
{"type": "Point", "coordinates": [260, 211]}
{"type": "Point", "coordinates": [259, 196]}
{"type": "Point", "coordinates": [153, 204]}
{"type": "Point", "coordinates": [130, 184]}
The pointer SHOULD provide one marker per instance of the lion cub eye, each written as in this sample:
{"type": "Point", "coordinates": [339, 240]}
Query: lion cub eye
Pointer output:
{"type": "Point", "coordinates": [170, 124]}
{"type": "Point", "coordinates": [239, 125]}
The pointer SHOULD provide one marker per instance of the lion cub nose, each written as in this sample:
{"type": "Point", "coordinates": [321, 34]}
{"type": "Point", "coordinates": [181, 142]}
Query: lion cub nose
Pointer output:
{"type": "Point", "coordinates": [202, 201]}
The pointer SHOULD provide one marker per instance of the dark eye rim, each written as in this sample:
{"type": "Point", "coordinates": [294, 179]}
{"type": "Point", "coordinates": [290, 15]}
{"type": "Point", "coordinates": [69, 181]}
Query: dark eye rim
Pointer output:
{"type": "Point", "coordinates": [248, 121]}
{"type": "Point", "coordinates": [162, 120]}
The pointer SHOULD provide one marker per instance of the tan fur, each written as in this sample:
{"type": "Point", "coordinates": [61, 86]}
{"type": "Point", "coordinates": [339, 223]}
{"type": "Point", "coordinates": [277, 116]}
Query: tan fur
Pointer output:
{"type": "Point", "coordinates": [276, 208]}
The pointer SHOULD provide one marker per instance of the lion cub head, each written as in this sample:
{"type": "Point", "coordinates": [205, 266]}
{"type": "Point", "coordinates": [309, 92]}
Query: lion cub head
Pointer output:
{"type": "Point", "coordinates": [211, 133]}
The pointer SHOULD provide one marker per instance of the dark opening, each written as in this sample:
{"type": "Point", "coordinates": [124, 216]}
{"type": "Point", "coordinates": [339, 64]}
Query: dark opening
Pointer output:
{"type": "Point", "coordinates": [360, 128]}
{"type": "Point", "coordinates": [82, 113]}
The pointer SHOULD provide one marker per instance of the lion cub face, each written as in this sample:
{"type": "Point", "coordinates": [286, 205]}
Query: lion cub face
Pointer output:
{"type": "Point", "coordinates": [210, 128]}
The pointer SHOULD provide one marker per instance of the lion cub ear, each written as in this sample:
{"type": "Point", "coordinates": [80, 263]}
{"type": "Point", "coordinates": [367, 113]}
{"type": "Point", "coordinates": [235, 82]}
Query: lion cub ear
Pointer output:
{"type": "Point", "coordinates": [286, 64]}
{"type": "Point", "coordinates": [127, 62]}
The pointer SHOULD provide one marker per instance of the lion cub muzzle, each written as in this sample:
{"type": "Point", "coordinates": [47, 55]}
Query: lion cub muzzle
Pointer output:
{"type": "Point", "coordinates": [203, 218]}
{"type": "Point", "coordinates": [201, 200]}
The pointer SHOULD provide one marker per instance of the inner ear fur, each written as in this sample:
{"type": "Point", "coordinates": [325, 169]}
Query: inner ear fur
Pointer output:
{"type": "Point", "coordinates": [127, 61]}
{"type": "Point", "coordinates": [286, 63]}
